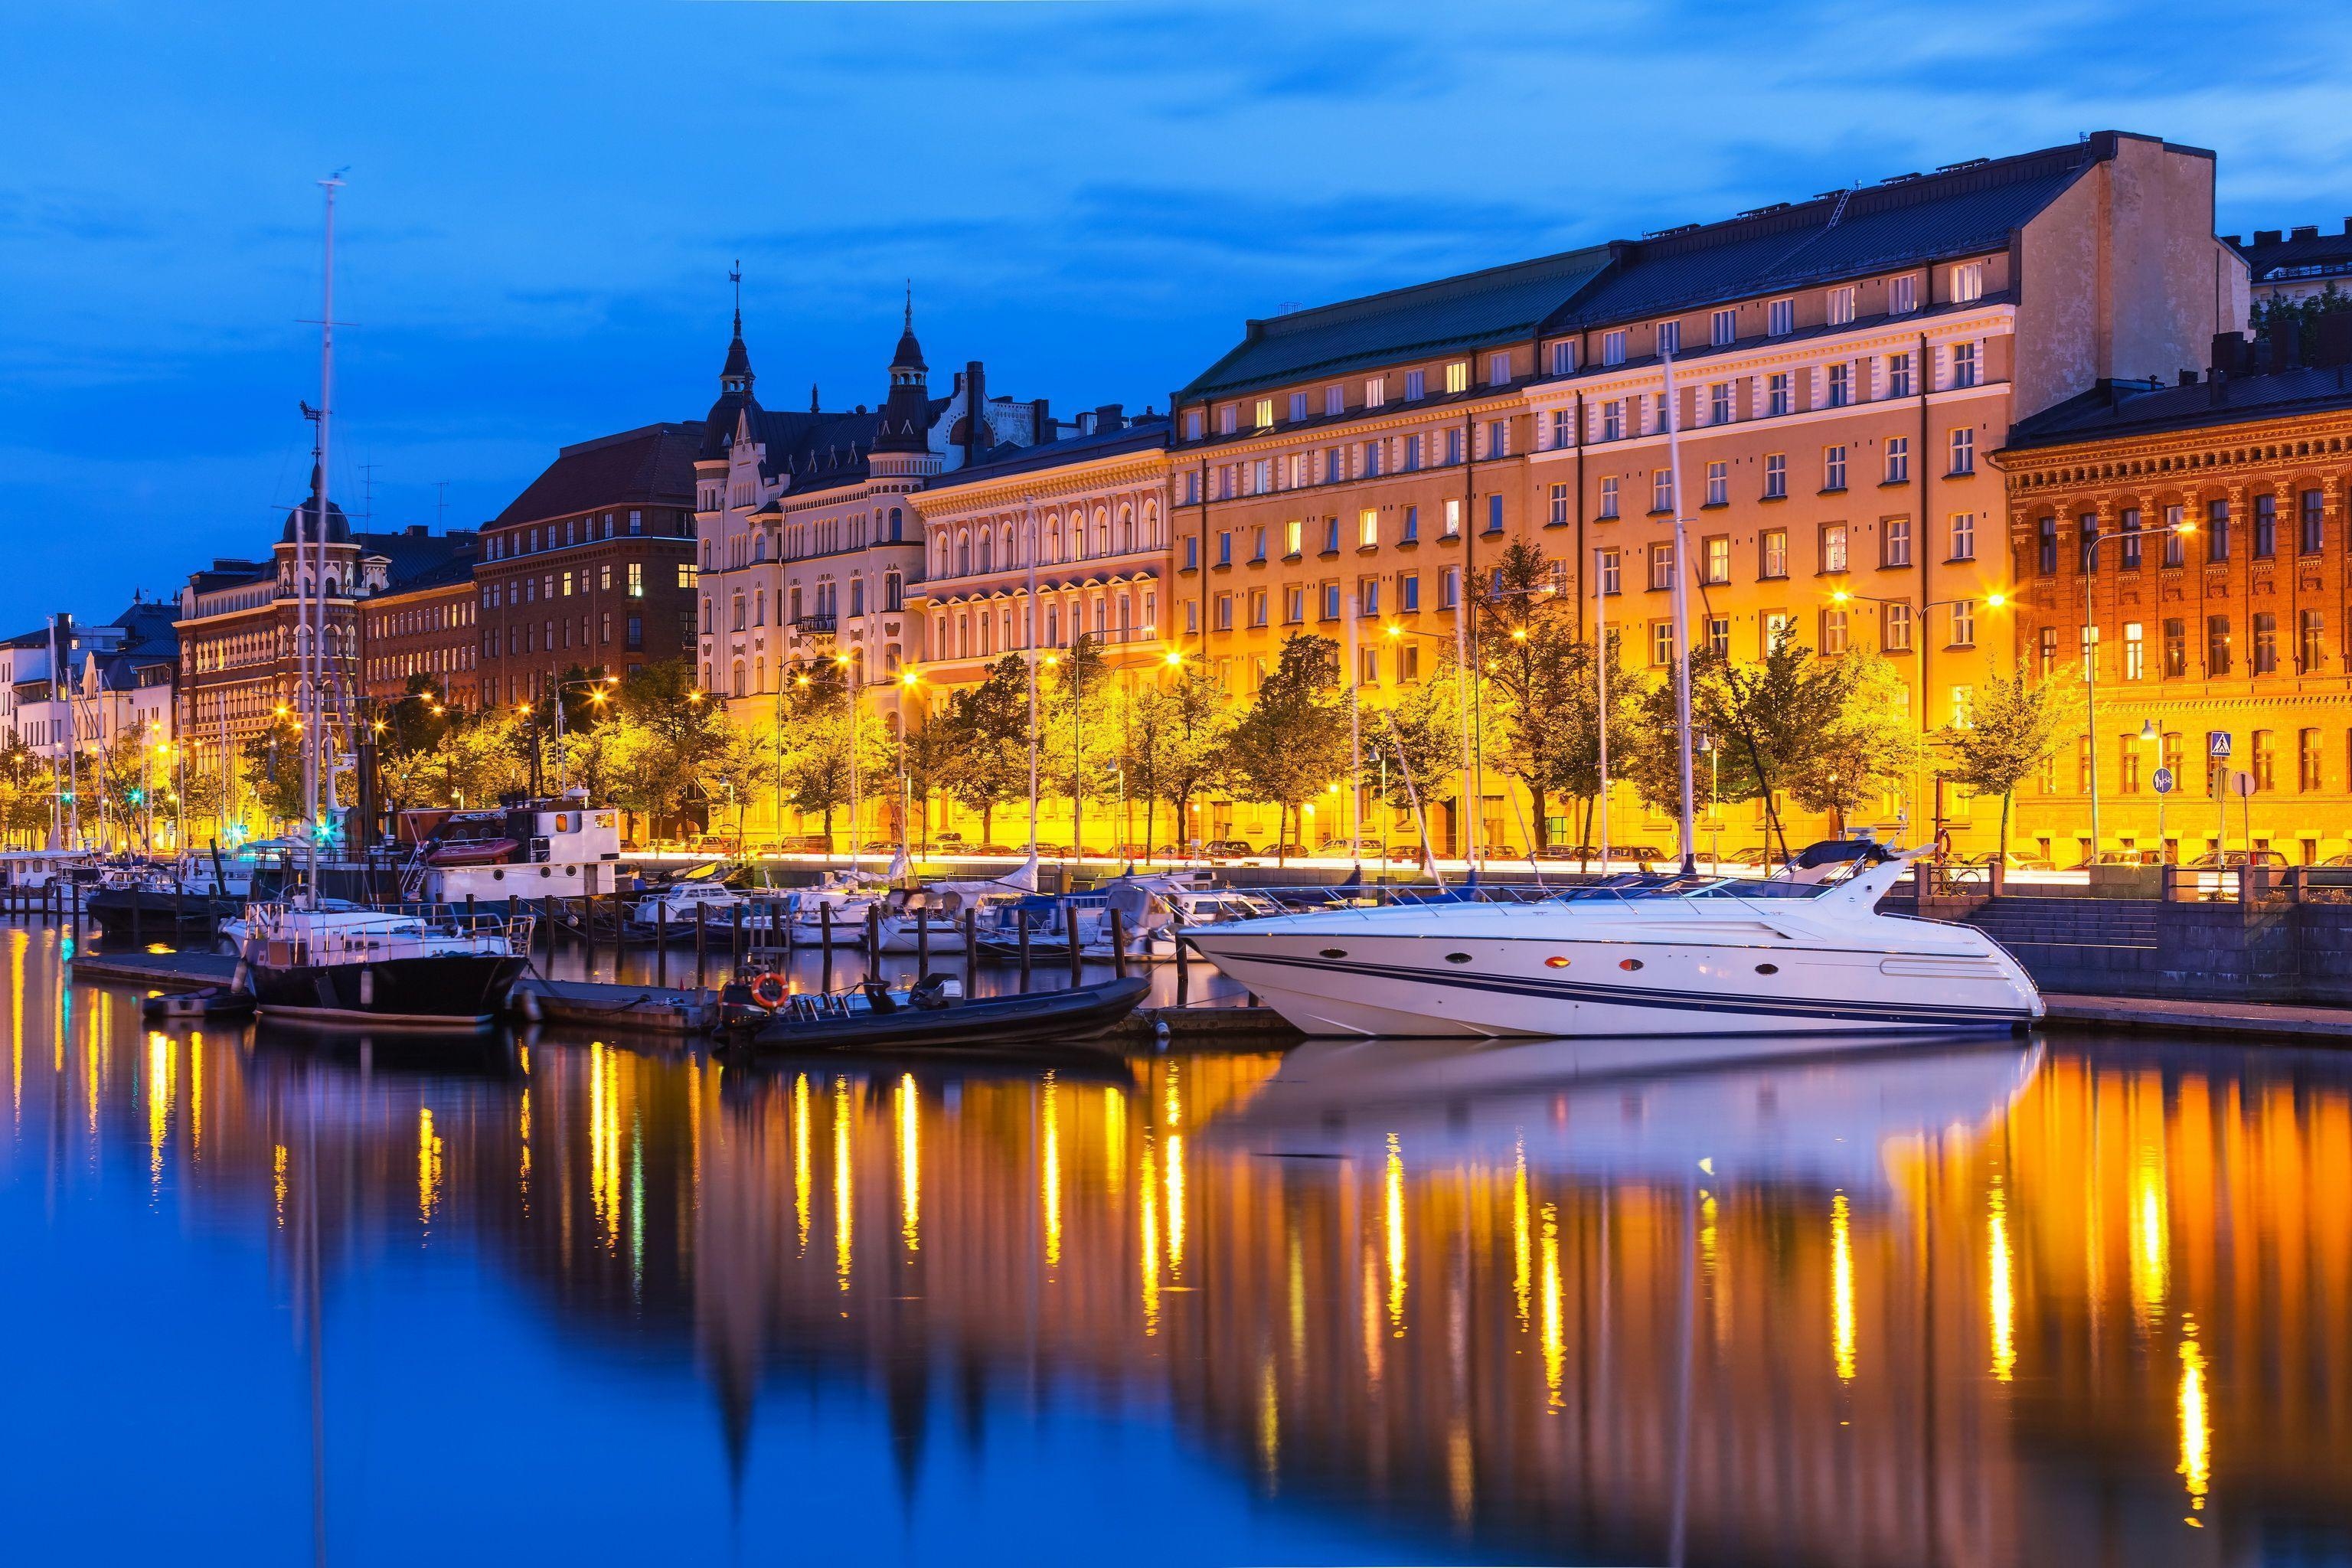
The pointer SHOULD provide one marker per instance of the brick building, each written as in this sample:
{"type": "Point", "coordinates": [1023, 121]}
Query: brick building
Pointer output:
{"type": "Point", "coordinates": [2239, 628]}
{"type": "Point", "coordinates": [428, 625]}
{"type": "Point", "coordinates": [593, 566]}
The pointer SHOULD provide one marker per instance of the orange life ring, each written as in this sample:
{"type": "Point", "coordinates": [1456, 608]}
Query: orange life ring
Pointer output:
{"type": "Point", "coordinates": [767, 989]}
{"type": "Point", "coordinates": [1943, 843]}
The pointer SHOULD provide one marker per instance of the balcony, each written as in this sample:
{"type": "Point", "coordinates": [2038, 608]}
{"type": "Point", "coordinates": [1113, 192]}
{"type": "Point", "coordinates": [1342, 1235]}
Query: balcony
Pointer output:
{"type": "Point", "coordinates": [816, 626]}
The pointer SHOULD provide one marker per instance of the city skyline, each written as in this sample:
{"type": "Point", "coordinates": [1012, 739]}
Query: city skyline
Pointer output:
{"type": "Point", "coordinates": [520, 279]}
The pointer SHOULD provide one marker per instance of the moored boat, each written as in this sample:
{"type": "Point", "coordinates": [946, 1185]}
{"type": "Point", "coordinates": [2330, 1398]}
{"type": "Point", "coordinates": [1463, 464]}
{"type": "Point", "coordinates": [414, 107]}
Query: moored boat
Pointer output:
{"type": "Point", "coordinates": [932, 1014]}
{"type": "Point", "coordinates": [1802, 953]}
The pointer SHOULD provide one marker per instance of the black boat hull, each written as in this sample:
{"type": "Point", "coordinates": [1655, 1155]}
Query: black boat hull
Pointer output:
{"type": "Point", "coordinates": [1040, 1017]}
{"type": "Point", "coordinates": [447, 991]}
{"type": "Point", "coordinates": [120, 911]}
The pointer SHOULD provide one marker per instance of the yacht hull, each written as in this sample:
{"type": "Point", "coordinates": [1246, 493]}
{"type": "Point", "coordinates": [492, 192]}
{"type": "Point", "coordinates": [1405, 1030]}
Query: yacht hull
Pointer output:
{"type": "Point", "coordinates": [1487, 987]}
{"type": "Point", "coordinates": [441, 991]}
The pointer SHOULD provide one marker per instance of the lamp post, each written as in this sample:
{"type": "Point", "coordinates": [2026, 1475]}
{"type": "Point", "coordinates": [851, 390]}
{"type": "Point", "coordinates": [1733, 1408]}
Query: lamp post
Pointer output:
{"type": "Point", "coordinates": [1461, 615]}
{"type": "Point", "coordinates": [598, 687]}
{"type": "Point", "coordinates": [2149, 734]}
{"type": "Point", "coordinates": [849, 672]}
{"type": "Point", "coordinates": [1996, 600]}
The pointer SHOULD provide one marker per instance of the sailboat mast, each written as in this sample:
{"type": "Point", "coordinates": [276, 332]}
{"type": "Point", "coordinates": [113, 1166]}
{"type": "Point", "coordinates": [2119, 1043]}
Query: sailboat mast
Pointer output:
{"type": "Point", "coordinates": [313, 588]}
{"type": "Point", "coordinates": [1682, 617]}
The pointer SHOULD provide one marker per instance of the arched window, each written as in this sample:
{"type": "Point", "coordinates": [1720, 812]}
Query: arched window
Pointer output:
{"type": "Point", "coordinates": [1005, 545]}
{"type": "Point", "coordinates": [1053, 625]}
{"type": "Point", "coordinates": [986, 540]}
{"type": "Point", "coordinates": [737, 678]}
{"type": "Point", "coordinates": [897, 519]}
{"type": "Point", "coordinates": [963, 554]}
{"type": "Point", "coordinates": [706, 628]}
{"type": "Point", "coordinates": [1127, 528]}
{"type": "Point", "coordinates": [1053, 540]}
{"type": "Point", "coordinates": [758, 607]}
{"type": "Point", "coordinates": [759, 674]}
{"type": "Point", "coordinates": [894, 593]}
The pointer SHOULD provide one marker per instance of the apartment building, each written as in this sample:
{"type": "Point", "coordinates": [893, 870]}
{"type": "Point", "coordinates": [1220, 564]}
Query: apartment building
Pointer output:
{"type": "Point", "coordinates": [427, 627]}
{"type": "Point", "coordinates": [2297, 264]}
{"type": "Point", "coordinates": [2190, 541]}
{"type": "Point", "coordinates": [592, 567]}
{"type": "Point", "coordinates": [1085, 517]}
{"type": "Point", "coordinates": [1838, 370]}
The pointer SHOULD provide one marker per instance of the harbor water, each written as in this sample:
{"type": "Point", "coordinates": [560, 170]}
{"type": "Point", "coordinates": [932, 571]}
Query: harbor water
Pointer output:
{"type": "Point", "coordinates": [283, 1297]}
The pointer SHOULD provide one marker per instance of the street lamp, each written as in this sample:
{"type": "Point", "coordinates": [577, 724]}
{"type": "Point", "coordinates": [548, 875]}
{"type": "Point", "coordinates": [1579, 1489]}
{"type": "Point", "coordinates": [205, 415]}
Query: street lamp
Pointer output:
{"type": "Point", "coordinates": [597, 687]}
{"type": "Point", "coordinates": [1996, 600]}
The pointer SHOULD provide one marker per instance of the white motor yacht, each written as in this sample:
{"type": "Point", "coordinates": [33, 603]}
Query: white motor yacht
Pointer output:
{"type": "Point", "coordinates": [1805, 952]}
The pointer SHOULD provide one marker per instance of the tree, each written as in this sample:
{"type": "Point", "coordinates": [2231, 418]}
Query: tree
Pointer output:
{"type": "Point", "coordinates": [273, 769]}
{"type": "Point", "coordinates": [1415, 745]}
{"type": "Point", "coordinates": [929, 757]}
{"type": "Point", "coordinates": [990, 724]}
{"type": "Point", "coordinates": [674, 727]}
{"type": "Point", "coordinates": [25, 792]}
{"type": "Point", "coordinates": [1869, 745]}
{"type": "Point", "coordinates": [2014, 727]}
{"type": "Point", "coordinates": [817, 739]}
{"type": "Point", "coordinates": [1292, 739]}
{"type": "Point", "coordinates": [743, 767]}
{"type": "Point", "coordinates": [2305, 314]}
{"type": "Point", "coordinates": [1172, 743]}
{"type": "Point", "coordinates": [1077, 740]}
{"type": "Point", "coordinates": [1539, 671]}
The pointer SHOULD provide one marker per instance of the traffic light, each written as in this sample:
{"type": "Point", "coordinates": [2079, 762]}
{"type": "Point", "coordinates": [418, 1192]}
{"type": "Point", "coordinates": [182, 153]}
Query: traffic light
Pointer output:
{"type": "Point", "coordinates": [138, 796]}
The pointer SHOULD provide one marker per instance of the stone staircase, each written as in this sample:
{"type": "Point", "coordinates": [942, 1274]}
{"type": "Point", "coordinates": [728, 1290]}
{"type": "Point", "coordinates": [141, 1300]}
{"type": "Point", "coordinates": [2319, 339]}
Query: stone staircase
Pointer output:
{"type": "Point", "coordinates": [2072, 922]}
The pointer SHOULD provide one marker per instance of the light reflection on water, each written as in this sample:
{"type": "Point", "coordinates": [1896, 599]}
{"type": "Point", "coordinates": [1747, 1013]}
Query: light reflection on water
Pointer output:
{"type": "Point", "coordinates": [1981, 1304]}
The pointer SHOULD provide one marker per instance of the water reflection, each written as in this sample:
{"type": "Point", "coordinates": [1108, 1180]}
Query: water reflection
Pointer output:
{"type": "Point", "coordinates": [1982, 1304]}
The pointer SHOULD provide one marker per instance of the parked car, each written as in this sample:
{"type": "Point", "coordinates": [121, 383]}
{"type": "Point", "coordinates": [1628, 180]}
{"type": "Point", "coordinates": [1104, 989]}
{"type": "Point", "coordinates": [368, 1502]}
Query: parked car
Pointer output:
{"type": "Point", "coordinates": [948, 843]}
{"type": "Point", "coordinates": [1348, 849]}
{"type": "Point", "coordinates": [878, 847]}
{"type": "Point", "coordinates": [2017, 860]}
{"type": "Point", "coordinates": [1755, 855]}
{"type": "Point", "coordinates": [1226, 849]}
{"type": "Point", "coordinates": [2210, 861]}
{"type": "Point", "coordinates": [1284, 852]}
{"type": "Point", "coordinates": [2121, 857]}
{"type": "Point", "coordinates": [804, 844]}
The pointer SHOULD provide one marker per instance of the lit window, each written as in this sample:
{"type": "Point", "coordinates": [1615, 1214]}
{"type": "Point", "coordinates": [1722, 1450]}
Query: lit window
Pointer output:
{"type": "Point", "coordinates": [1773, 553]}
{"type": "Point", "coordinates": [1967, 282]}
{"type": "Point", "coordinates": [1964, 623]}
{"type": "Point", "coordinates": [1453, 516]}
{"type": "Point", "coordinates": [1265, 412]}
{"type": "Point", "coordinates": [1661, 642]}
{"type": "Point", "coordinates": [1376, 391]}
{"type": "Point", "coordinates": [1834, 555]}
{"type": "Point", "coordinates": [1368, 527]}
{"type": "Point", "coordinates": [1457, 375]}
{"type": "Point", "coordinates": [1718, 559]}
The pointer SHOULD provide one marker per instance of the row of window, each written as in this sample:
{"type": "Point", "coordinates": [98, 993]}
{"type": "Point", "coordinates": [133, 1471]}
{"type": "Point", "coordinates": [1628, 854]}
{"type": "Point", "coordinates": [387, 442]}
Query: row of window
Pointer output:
{"type": "Point", "coordinates": [752, 681]}
{"type": "Point", "coordinates": [2310, 649]}
{"type": "Point", "coordinates": [988, 547]}
{"type": "Point", "coordinates": [1960, 446]}
{"type": "Point", "coordinates": [563, 584]}
{"type": "Point", "coordinates": [586, 529]}
{"type": "Point", "coordinates": [425, 619]}
{"type": "Point", "coordinates": [1326, 600]}
{"type": "Point", "coordinates": [2209, 777]}
{"type": "Point", "coordinates": [1299, 407]}
{"type": "Point", "coordinates": [423, 661]}
{"type": "Point", "coordinates": [1410, 453]}
{"type": "Point", "coordinates": [827, 603]}
{"type": "Point", "coordinates": [551, 636]}
{"type": "Point", "coordinates": [1116, 617]}
{"type": "Point", "coordinates": [1324, 536]}
{"type": "Point", "coordinates": [1839, 385]}
{"type": "Point", "coordinates": [2310, 536]}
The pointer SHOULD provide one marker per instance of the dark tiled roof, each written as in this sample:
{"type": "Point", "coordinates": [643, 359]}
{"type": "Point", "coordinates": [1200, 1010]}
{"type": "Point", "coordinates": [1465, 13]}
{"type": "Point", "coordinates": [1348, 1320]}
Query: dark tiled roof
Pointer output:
{"type": "Point", "coordinates": [425, 559]}
{"type": "Point", "coordinates": [1962, 212]}
{"type": "Point", "coordinates": [1965, 209]}
{"type": "Point", "coordinates": [148, 627]}
{"type": "Point", "coordinates": [1135, 436]}
{"type": "Point", "coordinates": [2303, 253]}
{"type": "Point", "coordinates": [653, 466]}
{"type": "Point", "coordinates": [1500, 304]}
{"type": "Point", "coordinates": [2115, 410]}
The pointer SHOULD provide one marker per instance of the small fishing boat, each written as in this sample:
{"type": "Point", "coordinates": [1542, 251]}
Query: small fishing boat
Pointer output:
{"type": "Point", "coordinates": [212, 1002]}
{"type": "Point", "coordinates": [933, 1014]}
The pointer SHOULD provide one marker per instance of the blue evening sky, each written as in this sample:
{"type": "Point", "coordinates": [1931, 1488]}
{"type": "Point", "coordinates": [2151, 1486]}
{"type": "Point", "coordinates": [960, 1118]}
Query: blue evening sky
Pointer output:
{"type": "Point", "coordinates": [544, 201]}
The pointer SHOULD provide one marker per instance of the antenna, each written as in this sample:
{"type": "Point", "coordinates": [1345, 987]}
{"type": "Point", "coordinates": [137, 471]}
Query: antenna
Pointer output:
{"type": "Point", "coordinates": [735, 276]}
{"type": "Point", "coordinates": [367, 490]}
{"type": "Point", "coordinates": [441, 506]}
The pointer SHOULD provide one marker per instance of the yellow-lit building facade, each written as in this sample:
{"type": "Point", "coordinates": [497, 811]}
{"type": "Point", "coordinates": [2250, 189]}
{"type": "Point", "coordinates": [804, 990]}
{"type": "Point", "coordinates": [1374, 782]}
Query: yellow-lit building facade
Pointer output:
{"type": "Point", "coordinates": [2215, 514]}
{"type": "Point", "coordinates": [1841, 369]}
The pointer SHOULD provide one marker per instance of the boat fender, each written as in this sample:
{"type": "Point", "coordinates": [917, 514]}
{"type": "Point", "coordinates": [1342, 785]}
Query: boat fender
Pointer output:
{"type": "Point", "coordinates": [241, 979]}
{"type": "Point", "coordinates": [367, 987]}
{"type": "Point", "coordinates": [526, 1002]}
{"type": "Point", "coordinates": [1159, 1034]}
{"type": "Point", "coordinates": [768, 990]}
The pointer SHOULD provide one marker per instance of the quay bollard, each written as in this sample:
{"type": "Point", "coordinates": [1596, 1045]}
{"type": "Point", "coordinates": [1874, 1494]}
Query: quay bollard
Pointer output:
{"type": "Point", "coordinates": [1070, 930]}
{"type": "Point", "coordinates": [1024, 955]}
{"type": "Point", "coordinates": [702, 945]}
{"type": "Point", "coordinates": [971, 950]}
{"type": "Point", "coordinates": [1183, 961]}
{"type": "Point", "coordinates": [1117, 945]}
{"type": "Point", "coordinates": [661, 947]}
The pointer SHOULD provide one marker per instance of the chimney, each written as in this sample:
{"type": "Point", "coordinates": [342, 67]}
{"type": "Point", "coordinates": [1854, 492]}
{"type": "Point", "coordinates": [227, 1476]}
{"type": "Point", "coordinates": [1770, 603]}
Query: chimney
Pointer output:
{"type": "Point", "coordinates": [417, 530]}
{"type": "Point", "coordinates": [1110, 417]}
{"type": "Point", "coordinates": [2335, 345]}
{"type": "Point", "coordinates": [2266, 236]}
{"type": "Point", "coordinates": [1041, 420]}
{"type": "Point", "coordinates": [1087, 423]}
{"type": "Point", "coordinates": [2305, 231]}
{"type": "Point", "coordinates": [975, 411]}
{"type": "Point", "coordinates": [2285, 341]}
{"type": "Point", "coordinates": [2230, 350]}
{"type": "Point", "coordinates": [2187, 378]}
